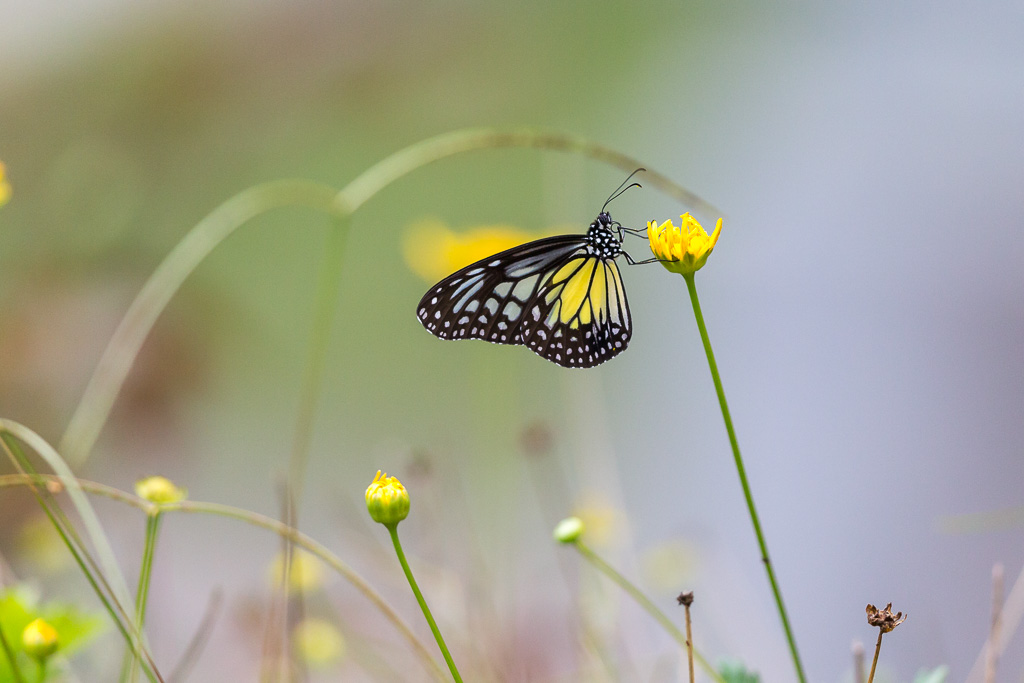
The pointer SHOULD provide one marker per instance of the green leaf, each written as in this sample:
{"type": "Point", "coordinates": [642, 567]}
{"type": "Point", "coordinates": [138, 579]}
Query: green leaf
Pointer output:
{"type": "Point", "coordinates": [19, 606]}
{"type": "Point", "coordinates": [733, 671]}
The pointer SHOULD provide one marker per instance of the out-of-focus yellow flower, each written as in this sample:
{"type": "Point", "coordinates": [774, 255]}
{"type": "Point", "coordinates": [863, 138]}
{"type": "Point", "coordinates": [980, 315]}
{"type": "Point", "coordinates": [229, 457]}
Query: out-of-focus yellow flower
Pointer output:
{"type": "Point", "coordinates": [432, 250]}
{"type": "Point", "coordinates": [40, 543]}
{"type": "Point", "coordinates": [669, 565]}
{"type": "Point", "coordinates": [39, 639]}
{"type": "Point", "coordinates": [318, 642]}
{"type": "Point", "coordinates": [604, 522]}
{"type": "Point", "coordinates": [307, 571]}
{"type": "Point", "coordinates": [387, 500]}
{"type": "Point", "coordinates": [684, 249]}
{"type": "Point", "coordinates": [159, 490]}
{"type": "Point", "coordinates": [5, 187]}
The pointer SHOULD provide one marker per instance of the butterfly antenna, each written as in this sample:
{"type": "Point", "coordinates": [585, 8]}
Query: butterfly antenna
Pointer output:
{"type": "Point", "coordinates": [622, 188]}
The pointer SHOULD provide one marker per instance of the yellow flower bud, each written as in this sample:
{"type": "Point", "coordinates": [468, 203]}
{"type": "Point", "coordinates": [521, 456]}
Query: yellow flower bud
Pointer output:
{"type": "Point", "coordinates": [685, 249]}
{"type": "Point", "coordinates": [387, 500]}
{"type": "Point", "coordinates": [569, 530]}
{"type": "Point", "coordinates": [40, 640]}
{"type": "Point", "coordinates": [159, 490]}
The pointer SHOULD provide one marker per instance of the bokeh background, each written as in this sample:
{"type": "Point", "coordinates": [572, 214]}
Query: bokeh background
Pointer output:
{"type": "Point", "coordinates": [865, 301]}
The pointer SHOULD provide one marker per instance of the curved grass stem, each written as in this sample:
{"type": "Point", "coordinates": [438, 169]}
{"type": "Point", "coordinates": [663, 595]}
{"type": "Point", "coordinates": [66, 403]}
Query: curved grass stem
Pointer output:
{"type": "Point", "coordinates": [255, 519]}
{"type": "Point", "coordinates": [648, 606]}
{"type": "Point", "coordinates": [734, 443]}
{"type": "Point", "coordinates": [104, 575]}
{"type": "Point", "coordinates": [123, 347]}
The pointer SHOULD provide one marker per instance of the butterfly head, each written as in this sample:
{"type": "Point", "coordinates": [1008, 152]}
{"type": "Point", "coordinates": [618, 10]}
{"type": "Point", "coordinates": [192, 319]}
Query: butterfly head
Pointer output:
{"type": "Point", "coordinates": [603, 240]}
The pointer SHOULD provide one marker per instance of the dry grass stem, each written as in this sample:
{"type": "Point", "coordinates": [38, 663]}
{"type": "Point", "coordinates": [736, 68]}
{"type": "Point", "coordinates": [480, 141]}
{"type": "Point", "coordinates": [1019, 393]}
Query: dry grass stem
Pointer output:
{"type": "Point", "coordinates": [686, 599]}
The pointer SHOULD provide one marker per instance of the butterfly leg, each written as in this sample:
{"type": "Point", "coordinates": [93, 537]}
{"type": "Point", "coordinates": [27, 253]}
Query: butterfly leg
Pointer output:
{"type": "Point", "coordinates": [630, 261]}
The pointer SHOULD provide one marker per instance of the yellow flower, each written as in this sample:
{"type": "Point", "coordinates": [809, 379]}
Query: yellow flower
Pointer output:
{"type": "Point", "coordinates": [39, 639]}
{"type": "Point", "coordinates": [307, 572]}
{"type": "Point", "coordinates": [604, 522]}
{"type": "Point", "coordinates": [432, 250]}
{"type": "Point", "coordinates": [40, 543]}
{"type": "Point", "coordinates": [318, 642]}
{"type": "Point", "coordinates": [682, 250]}
{"type": "Point", "coordinates": [387, 500]}
{"type": "Point", "coordinates": [5, 187]}
{"type": "Point", "coordinates": [669, 564]}
{"type": "Point", "coordinates": [160, 490]}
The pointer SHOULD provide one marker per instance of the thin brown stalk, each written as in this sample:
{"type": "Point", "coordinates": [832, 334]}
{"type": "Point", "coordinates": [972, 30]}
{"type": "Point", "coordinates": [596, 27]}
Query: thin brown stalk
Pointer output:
{"type": "Point", "coordinates": [689, 638]}
{"type": "Point", "coordinates": [878, 647]}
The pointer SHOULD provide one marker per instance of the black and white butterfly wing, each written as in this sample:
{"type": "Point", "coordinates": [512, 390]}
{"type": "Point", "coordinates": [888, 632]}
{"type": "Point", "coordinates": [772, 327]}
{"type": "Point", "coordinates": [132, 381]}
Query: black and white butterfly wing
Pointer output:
{"type": "Point", "coordinates": [579, 316]}
{"type": "Point", "coordinates": [553, 296]}
{"type": "Point", "coordinates": [486, 299]}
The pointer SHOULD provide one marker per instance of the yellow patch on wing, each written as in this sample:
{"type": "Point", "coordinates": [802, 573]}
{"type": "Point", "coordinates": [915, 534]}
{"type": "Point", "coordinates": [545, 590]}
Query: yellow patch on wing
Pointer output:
{"type": "Point", "coordinates": [599, 295]}
{"type": "Point", "coordinates": [566, 271]}
{"type": "Point", "coordinates": [553, 294]}
{"type": "Point", "coordinates": [615, 297]}
{"type": "Point", "coordinates": [576, 289]}
{"type": "Point", "coordinates": [585, 314]}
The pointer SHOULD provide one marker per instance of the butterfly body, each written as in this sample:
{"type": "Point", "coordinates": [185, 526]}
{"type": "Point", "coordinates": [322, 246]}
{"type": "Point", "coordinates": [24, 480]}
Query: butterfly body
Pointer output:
{"type": "Point", "coordinates": [561, 296]}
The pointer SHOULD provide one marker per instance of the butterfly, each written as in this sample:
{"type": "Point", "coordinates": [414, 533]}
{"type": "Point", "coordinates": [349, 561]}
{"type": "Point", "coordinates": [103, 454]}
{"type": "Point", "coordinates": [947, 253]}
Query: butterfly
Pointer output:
{"type": "Point", "coordinates": [561, 297]}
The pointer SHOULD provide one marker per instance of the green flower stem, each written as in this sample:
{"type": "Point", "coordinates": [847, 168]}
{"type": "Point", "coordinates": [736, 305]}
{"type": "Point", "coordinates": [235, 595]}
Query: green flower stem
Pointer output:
{"type": "Point", "coordinates": [255, 519]}
{"type": "Point", "coordinates": [646, 603]}
{"type": "Point", "coordinates": [11, 658]}
{"type": "Point", "coordinates": [692, 287]}
{"type": "Point", "coordinates": [393, 530]}
{"type": "Point", "coordinates": [42, 670]}
{"type": "Point", "coordinates": [130, 670]}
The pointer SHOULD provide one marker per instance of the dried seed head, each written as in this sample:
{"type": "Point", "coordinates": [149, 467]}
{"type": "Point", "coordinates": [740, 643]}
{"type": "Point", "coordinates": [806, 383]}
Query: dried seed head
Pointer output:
{"type": "Point", "coordinates": [685, 599]}
{"type": "Point", "coordinates": [884, 618]}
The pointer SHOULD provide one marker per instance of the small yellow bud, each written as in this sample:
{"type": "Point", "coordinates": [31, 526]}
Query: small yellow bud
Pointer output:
{"type": "Point", "coordinates": [685, 249]}
{"type": "Point", "coordinates": [39, 639]}
{"type": "Point", "coordinates": [569, 530]}
{"type": "Point", "coordinates": [387, 500]}
{"type": "Point", "coordinates": [159, 490]}
{"type": "Point", "coordinates": [318, 642]}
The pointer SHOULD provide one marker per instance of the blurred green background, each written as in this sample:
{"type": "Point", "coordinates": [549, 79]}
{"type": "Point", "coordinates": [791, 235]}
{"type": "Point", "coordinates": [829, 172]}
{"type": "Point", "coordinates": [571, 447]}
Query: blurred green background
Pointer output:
{"type": "Point", "coordinates": [865, 302]}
